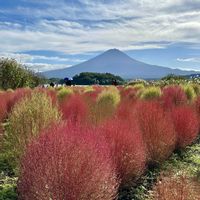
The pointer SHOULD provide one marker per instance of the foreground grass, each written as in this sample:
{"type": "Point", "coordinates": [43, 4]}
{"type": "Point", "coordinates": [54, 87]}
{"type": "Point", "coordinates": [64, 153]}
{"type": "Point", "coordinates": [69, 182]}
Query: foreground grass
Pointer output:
{"type": "Point", "coordinates": [185, 161]}
{"type": "Point", "coordinates": [7, 187]}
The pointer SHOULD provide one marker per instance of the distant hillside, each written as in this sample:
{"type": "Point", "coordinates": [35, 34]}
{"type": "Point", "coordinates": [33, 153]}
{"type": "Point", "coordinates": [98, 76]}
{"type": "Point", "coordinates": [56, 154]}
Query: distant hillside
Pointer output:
{"type": "Point", "coordinates": [116, 62]}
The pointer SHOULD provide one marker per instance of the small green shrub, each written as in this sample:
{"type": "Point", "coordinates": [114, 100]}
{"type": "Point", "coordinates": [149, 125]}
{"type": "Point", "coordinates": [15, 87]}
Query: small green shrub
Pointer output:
{"type": "Point", "coordinates": [27, 119]}
{"type": "Point", "coordinates": [196, 88]}
{"type": "Point", "coordinates": [190, 92]}
{"type": "Point", "coordinates": [64, 92]}
{"type": "Point", "coordinates": [150, 93]}
{"type": "Point", "coordinates": [105, 106]}
{"type": "Point", "coordinates": [110, 96]}
{"type": "Point", "coordinates": [138, 86]}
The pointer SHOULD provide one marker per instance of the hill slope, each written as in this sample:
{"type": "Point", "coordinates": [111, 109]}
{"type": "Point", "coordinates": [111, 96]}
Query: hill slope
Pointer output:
{"type": "Point", "coordinates": [118, 63]}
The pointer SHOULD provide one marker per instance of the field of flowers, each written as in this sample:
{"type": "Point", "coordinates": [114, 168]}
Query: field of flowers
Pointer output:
{"type": "Point", "coordinates": [92, 143]}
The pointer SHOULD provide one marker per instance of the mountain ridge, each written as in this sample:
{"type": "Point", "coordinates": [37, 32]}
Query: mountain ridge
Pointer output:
{"type": "Point", "coordinates": [118, 63]}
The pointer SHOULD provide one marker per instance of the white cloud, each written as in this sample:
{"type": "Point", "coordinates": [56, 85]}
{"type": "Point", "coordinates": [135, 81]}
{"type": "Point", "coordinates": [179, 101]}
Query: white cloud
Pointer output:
{"type": "Point", "coordinates": [128, 22]}
{"type": "Point", "coordinates": [40, 67]}
{"type": "Point", "coordinates": [97, 26]}
{"type": "Point", "coordinates": [31, 61]}
{"type": "Point", "coordinates": [194, 59]}
{"type": "Point", "coordinates": [20, 57]}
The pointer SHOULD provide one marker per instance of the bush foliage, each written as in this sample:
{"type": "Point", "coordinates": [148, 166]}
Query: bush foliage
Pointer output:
{"type": "Point", "coordinates": [93, 142]}
{"type": "Point", "coordinates": [14, 75]}
{"type": "Point", "coordinates": [26, 120]}
{"type": "Point", "coordinates": [68, 162]}
{"type": "Point", "coordinates": [157, 129]}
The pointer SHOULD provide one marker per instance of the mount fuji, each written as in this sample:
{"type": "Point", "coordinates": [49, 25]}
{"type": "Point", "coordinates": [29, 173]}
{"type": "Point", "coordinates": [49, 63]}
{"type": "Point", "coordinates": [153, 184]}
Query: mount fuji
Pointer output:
{"type": "Point", "coordinates": [116, 62]}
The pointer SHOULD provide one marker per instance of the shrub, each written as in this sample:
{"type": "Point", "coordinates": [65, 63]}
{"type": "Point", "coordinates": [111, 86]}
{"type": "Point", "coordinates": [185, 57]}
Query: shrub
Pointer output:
{"type": "Point", "coordinates": [173, 96]}
{"type": "Point", "coordinates": [110, 96]}
{"type": "Point", "coordinates": [68, 162]}
{"type": "Point", "coordinates": [128, 93]}
{"type": "Point", "coordinates": [126, 108]}
{"type": "Point", "coordinates": [138, 86]}
{"type": "Point", "coordinates": [63, 93]}
{"type": "Point", "coordinates": [197, 108]}
{"type": "Point", "coordinates": [105, 107]}
{"type": "Point", "coordinates": [196, 88]}
{"type": "Point", "coordinates": [52, 94]}
{"type": "Point", "coordinates": [17, 96]}
{"type": "Point", "coordinates": [157, 129]}
{"type": "Point", "coordinates": [91, 96]}
{"type": "Point", "coordinates": [186, 125]}
{"type": "Point", "coordinates": [127, 147]}
{"type": "Point", "coordinates": [3, 106]}
{"type": "Point", "coordinates": [3, 113]}
{"type": "Point", "coordinates": [176, 187]}
{"type": "Point", "coordinates": [151, 93]}
{"type": "Point", "coordinates": [189, 91]}
{"type": "Point", "coordinates": [74, 109]}
{"type": "Point", "coordinates": [26, 120]}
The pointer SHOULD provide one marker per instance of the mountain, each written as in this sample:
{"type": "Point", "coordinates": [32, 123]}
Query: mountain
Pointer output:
{"type": "Point", "coordinates": [116, 62]}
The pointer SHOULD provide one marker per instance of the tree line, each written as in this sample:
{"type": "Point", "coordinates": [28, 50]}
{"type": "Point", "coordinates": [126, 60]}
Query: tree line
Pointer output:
{"type": "Point", "coordinates": [15, 75]}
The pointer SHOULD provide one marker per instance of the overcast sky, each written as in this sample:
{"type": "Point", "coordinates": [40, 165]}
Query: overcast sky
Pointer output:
{"type": "Point", "coordinates": [48, 34]}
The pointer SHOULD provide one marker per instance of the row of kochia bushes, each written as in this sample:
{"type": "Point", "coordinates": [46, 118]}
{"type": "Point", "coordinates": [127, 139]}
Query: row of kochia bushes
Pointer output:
{"type": "Point", "coordinates": [86, 143]}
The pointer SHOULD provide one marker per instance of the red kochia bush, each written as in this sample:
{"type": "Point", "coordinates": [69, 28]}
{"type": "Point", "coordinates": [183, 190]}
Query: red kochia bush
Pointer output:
{"type": "Point", "coordinates": [3, 106]}
{"type": "Point", "coordinates": [173, 96]}
{"type": "Point", "coordinates": [128, 93]}
{"type": "Point", "coordinates": [16, 96]}
{"type": "Point", "coordinates": [157, 129]}
{"type": "Point", "coordinates": [3, 111]}
{"type": "Point", "coordinates": [127, 147]}
{"type": "Point", "coordinates": [186, 125]}
{"type": "Point", "coordinates": [74, 108]}
{"type": "Point", "coordinates": [173, 187]}
{"type": "Point", "coordinates": [197, 108]}
{"type": "Point", "coordinates": [70, 163]}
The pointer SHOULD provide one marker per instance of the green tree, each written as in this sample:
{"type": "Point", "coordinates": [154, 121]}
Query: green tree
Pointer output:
{"type": "Point", "coordinates": [90, 78]}
{"type": "Point", "coordinates": [14, 75]}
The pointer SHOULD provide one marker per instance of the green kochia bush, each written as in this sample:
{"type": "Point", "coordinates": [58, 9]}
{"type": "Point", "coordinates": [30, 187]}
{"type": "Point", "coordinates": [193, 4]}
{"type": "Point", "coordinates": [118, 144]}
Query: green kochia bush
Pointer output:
{"type": "Point", "coordinates": [150, 93]}
{"type": "Point", "coordinates": [106, 104]}
{"type": "Point", "coordinates": [64, 92]}
{"type": "Point", "coordinates": [190, 92]}
{"type": "Point", "coordinates": [26, 120]}
{"type": "Point", "coordinates": [196, 88]}
{"type": "Point", "coordinates": [110, 96]}
{"type": "Point", "coordinates": [138, 86]}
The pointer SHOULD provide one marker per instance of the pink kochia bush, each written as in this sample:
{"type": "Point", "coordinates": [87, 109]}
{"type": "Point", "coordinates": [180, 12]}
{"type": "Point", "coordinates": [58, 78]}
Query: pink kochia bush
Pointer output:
{"type": "Point", "coordinates": [3, 111]}
{"type": "Point", "coordinates": [3, 106]}
{"type": "Point", "coordinates": [127, 147]}
{"type": "Point", "coordinates": [186, 125]}
{"type": "Point", "coordinates": [173, 96]}
{"type": "Point", "coordinates": [197, 108]}
{"type": "Point", "coordinates": [68, 162]}
{"type": "Point", "coordinates": [17, 96]}
{"type": "Point", "coordinates": [157, 130]}
{"type": "Point", "coordinates": [74, 108]}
